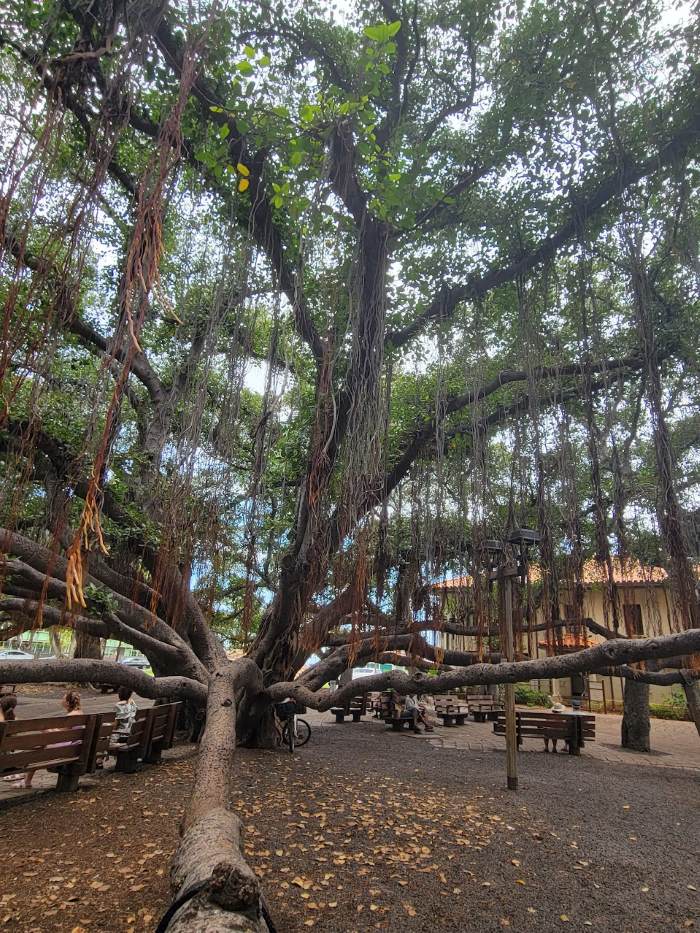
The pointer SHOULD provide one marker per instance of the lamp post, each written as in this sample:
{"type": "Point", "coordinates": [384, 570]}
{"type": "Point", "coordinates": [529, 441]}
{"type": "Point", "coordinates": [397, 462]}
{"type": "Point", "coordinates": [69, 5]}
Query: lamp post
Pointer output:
{"type": "Point", "coordinates": [515, 565]}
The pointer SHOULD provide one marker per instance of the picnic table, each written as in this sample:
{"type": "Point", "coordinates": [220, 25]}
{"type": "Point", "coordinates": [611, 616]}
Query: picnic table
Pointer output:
{"type": "Point", "coordinates": [452, 710]}
{"type": "Point", "coordinates": [484, 706]}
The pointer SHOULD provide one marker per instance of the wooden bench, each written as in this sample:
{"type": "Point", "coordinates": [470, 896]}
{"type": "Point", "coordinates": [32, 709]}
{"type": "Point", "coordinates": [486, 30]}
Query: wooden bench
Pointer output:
{"type": "Point", "coordinates": [390, 712]}
{"type": "Point", "coordinates": [152, 732]}
{"type": "Point", "coordinates": [484, 707]}
{"type": "Point", "coordinates": [398, 720]}
{"type": "Point", "coordinates": [451, 710]}
{"type": "Point", "coordinates": [374, 704]}
{"type": "Point", "coordinates": [340, 712]}
{"type": "Point", "coordinates": [574, 729]}
{"type": "Point", "coordinates": [68, 745]}
{"type": "Point", "coordinates": [162, 734]}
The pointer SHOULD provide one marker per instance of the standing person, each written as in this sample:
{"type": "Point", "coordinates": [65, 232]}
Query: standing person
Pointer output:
{"type": "Point", "coordinates": [125, 711]}
{"type": "Point", "coordinates": [71, 704]}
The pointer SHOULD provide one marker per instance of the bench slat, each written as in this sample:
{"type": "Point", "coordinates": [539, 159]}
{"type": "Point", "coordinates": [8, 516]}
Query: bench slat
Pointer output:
{"type": "Point", "coordinates": [40, 739]}
{"type": "Point", "coordinates": [40, 757]}
{"type": "Point", "coordinates": [16, 726]}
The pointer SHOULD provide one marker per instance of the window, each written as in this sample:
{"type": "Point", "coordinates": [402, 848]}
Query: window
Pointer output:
{"type": "Point", "coordinates": [633, 620]}
{"type": "Point", "coordinates": [574, 628]}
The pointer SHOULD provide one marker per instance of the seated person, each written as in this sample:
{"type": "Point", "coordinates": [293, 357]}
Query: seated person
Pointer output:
{"type": "Point", "coordinates": [413, 707]}
{"type": "Point", "coordinates": [125, 711]}
{"type": "Point", "coordinates": [556, 707]}
{"type": "Point", "coordinates": [427, 708]}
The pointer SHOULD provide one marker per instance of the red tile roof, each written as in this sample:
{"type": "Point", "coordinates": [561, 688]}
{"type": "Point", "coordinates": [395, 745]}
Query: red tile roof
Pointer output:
{"type": "Point", "coordinates": [626, 572]}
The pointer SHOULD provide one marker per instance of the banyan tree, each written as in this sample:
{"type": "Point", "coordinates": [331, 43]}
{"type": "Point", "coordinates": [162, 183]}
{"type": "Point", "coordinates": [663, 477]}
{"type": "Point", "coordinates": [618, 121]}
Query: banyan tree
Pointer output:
{"type": "Point", "coordinates": [303, 306]}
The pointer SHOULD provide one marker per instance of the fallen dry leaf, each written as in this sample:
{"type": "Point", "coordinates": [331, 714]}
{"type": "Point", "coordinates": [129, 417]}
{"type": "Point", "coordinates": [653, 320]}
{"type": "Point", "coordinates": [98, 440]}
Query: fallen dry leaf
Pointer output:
{"type": "Point", "coordinates": [302, 882]}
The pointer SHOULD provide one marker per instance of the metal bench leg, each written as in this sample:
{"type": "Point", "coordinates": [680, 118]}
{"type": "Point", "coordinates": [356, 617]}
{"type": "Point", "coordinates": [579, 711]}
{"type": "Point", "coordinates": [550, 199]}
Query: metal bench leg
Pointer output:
{"type": "Point", "coordinates": [67, 781]}
{"type": "Point", "coordinates": [154, 755]}
{"type": "Point", "coordinates": [356, 716]}
{"type": "Point", "coordinates": [340, 717]}
{"type": "Point", "coordinates": [127, 762]}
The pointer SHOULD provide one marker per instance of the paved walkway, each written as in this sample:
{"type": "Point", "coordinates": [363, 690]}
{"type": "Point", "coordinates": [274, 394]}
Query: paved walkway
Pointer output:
{"type": "Point", "coordinates": [674, 744]}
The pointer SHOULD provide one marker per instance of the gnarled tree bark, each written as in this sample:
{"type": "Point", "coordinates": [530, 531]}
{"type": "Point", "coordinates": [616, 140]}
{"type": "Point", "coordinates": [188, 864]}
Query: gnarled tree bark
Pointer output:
{"type": "Point", "coordinates": [692, 696]}
{"type": "Point", "coordinates": [210, 876]}
{"type": "Point", "coordinates": [636, 725]}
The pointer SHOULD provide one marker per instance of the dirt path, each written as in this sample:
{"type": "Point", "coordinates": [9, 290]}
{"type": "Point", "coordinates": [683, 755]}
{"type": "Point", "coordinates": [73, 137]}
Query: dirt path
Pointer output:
{"type": "Point", "coordinates": [366, 830]}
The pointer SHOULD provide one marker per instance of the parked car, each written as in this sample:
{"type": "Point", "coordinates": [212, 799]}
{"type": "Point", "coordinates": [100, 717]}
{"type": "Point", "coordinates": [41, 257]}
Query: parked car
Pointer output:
{"type": "Point", "coordinates": [15, 654]}
{"type": "Point", "coordinates": [136, 661]}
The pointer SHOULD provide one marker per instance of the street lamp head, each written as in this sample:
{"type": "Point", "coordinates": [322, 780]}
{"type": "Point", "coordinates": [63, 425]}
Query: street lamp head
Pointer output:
{"type": "Point", "coordinates": [524, 537]}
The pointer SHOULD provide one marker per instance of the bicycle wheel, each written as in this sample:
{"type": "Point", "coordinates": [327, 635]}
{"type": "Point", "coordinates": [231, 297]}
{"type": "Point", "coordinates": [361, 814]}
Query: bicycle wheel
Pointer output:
{"type": "Point", "coordinates": [303, 732]}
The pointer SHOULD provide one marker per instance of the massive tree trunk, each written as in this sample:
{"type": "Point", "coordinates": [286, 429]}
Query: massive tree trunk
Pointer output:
{"type": "Point", "coordinates": [87, 646]}
{"type": "Point", "coordinates": [636, 725]}
{"type": "Point", "coordinates": [214, 886]}
{"type": "Point", "coordinates": [692, 695]}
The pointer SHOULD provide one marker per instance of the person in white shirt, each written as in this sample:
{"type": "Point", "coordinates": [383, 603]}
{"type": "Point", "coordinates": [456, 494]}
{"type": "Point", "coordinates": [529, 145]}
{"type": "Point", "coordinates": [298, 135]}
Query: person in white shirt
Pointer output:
{"type": "Point", "coordinates": [125, 712]}
{"type": "Point", "coordinates": [412, 706]}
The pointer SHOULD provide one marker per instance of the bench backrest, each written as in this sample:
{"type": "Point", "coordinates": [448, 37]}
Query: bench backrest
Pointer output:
{"type": "Point", "coordinates": [104, 728]}
{"type": "Point", "coordinates": [139, 736]}
{"type": "Point", "coordinates": [26, 744]}
{"type": "Point", "coordinates": [485, 700]}
{"type": "Point", "coordinates": [556, 724]}
{"type": "Point", "coordinates": [163, 719]}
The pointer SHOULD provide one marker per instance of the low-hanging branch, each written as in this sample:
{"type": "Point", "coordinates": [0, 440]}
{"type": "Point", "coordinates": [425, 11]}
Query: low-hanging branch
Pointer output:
{"type": "Point", "coordinates": [88, 671]}
{"type": "Point", "coordinates": [611, 653]}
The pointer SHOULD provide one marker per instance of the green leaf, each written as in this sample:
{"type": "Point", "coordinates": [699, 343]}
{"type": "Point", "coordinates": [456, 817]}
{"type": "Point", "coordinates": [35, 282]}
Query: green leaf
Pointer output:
{"type": "Point", "coordinates": [224, 131]}
{"type": "Point", "coordinates": [249, 51]}
{"type": "Point", "coordinates": [382, 32]}
{"type": "Point", "coordinates": [245, 68]}
{"type": "Point", "coordinates": [307, 112]}
{"type": "Point", "coordinates": [296, 157]}
{"type": "Point", "coordinates": [264, 61]}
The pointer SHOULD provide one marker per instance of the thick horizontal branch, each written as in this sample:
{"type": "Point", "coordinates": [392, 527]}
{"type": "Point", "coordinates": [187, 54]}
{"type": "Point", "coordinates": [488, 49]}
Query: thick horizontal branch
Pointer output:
{"type": "Point", "coordinates": [612, 653]}
{"type": "Point", "coordinates": [110, 626]}
{"type": "Point", "coordinates": [629, 172]}
{"type": "Point", "coordinates": [660, 678]}
{"type": "Point", "coordinates": [338, 639]}
{"type": "Point", "coordinates": [41, 560]}
{"type": "Point", "coordinates": [415, 442]}
{"type": "Point", "coordinates": [87, 671]}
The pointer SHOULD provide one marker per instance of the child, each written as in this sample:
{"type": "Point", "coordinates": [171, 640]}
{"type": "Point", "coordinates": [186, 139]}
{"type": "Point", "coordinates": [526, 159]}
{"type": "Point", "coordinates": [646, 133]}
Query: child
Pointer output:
{"type": "Point", "coordinates": [126, 714]}
{"type": "Point", "coordinates": [71, 704]}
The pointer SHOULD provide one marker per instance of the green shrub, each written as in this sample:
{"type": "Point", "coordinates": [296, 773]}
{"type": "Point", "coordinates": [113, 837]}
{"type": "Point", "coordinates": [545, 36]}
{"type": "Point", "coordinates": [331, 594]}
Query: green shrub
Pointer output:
{"type": "Point", "coordinates": [528, 696]}
{"type": "Point", "coordinates": [673, 707]}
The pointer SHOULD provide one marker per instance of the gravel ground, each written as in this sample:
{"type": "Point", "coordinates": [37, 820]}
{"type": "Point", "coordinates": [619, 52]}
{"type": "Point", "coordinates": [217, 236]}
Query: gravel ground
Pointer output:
{"type": "Point", "coordinates": [365, 829]}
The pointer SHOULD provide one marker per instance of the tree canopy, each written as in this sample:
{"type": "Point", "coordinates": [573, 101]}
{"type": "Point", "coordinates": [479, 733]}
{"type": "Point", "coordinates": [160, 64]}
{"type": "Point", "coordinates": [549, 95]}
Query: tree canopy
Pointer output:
{"type": "Point", "coordinates": [304, 304]}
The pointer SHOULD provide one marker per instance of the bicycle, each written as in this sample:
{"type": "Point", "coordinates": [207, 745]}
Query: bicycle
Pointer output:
{"type": "Point", "coordinates": [300, 731]}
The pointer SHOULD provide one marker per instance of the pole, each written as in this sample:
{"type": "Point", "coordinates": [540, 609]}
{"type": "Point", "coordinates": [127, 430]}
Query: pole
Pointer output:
{"type": "Point", "coordinates": [511, 736]}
